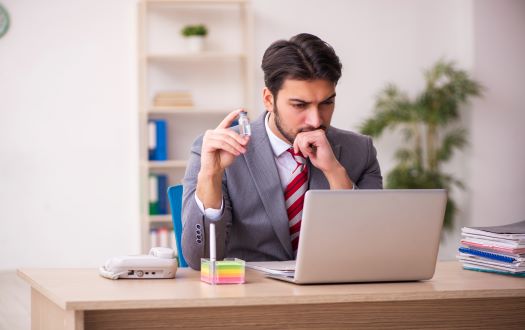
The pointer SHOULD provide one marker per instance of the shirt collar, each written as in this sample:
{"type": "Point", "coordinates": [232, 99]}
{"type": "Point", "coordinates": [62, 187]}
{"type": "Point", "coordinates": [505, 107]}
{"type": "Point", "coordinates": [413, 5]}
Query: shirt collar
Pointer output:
{"type": "Point", "coordinates": [278, 145]}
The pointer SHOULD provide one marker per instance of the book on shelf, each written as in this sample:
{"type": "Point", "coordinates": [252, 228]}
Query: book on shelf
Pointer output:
{"type": "Point", "coordinates": [176, 99]}
{"type": "Point", "coordinates": [495, 249]}
{"type": "Point", "coordinates": [153, 194]}
{"type": "Point", "coordinates": [162, 236]}
{"type": "Point", "coordinates": [162, 191]}
{"type": "Point", "coordinates": [157, 139]}
{"type": "Point", "coordinates": [158, 200]}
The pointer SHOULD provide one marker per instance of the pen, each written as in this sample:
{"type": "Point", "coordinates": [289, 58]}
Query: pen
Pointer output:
{"type": "Point", "coordinates": [212, 242]}
{"type": "Point", "coordinates": [212, 252]}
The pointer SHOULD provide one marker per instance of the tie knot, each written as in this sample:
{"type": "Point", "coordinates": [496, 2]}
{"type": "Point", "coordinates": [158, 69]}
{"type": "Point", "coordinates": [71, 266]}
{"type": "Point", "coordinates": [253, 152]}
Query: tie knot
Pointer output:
{"type": "Point", "coordinates": [298, 157]}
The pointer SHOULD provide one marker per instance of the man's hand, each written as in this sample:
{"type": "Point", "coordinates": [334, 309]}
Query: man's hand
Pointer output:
{"type": "Point", "coordinates": [220, 147]}
{"type": "Point", "coordinates": [315, 146]}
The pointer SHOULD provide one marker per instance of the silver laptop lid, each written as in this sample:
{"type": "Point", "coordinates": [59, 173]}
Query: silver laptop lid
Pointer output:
{"type": "Point", "coordinates": [369, 235]}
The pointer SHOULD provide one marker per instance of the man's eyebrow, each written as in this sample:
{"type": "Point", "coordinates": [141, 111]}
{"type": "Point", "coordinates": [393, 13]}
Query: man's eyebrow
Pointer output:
{"type": "Point", "coordinates": [298, 100]}
{"type": "Point", "coordinates": [303, 101]}
{"type": "Point", "coordinates": [330, 97]}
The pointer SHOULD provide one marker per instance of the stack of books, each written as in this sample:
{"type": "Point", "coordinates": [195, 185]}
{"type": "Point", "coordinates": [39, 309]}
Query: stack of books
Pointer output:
{"type": "Point", "coordinates": [177, 99]}
{"type": "Point", "coordinates": [499, 249]}
{"type": "Point", "coordinates": [163, 236]}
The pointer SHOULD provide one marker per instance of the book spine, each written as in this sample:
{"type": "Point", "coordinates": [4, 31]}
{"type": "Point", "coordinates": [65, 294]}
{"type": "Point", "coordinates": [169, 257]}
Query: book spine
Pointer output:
{"type": "Point", "coordinates": [162, 193]}
{"type": "Point", "coordinates": [163, 237]}
{"type": "Point", "coordinates": [494, 271]}
{"type": "Point", "coordinates": [161, 152]}
{"type": "Point", "coordinates": [153, 194]}
{"type": "Point", "coordinates": [153, 238]}
{"type": "Point", "coordinates": [152, 139]}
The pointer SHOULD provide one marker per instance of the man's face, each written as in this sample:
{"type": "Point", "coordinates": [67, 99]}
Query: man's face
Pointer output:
{"type": "Point", "coordinates": [302, 105]}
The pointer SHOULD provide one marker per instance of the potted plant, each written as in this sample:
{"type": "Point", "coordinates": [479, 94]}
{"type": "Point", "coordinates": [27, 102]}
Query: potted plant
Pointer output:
{"type": "Point", "coordinates": [430, 123]}
{"type": "Point", "coordinates": [194, 35]}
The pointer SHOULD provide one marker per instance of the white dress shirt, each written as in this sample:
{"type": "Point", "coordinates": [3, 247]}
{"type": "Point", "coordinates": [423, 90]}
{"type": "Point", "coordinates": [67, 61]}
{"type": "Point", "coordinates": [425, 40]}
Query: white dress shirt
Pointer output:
{"type": "Point", "coordinates": [285, 166]}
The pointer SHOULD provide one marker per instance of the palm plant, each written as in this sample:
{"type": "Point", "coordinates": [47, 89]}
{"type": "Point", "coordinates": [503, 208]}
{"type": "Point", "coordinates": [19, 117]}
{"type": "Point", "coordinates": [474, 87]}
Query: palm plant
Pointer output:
{"type": "Point", "coordinates": [429, 123]}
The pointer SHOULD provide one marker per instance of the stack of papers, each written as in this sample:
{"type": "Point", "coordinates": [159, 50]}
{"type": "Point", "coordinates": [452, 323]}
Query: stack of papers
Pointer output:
{"type": "Point", "coordinates": [283, 268]}
{"type": "Point", "coordinates": [499, 249]}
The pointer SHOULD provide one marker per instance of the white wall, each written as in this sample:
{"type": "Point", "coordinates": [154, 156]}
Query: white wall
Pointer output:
{"type": "Point", "coordinates": [497, 157]}
{"type": "Point", "coordinates": [68, 133]}
{"type": "Point", "coordinates": [68, 124]}
{"type": "Point", "coordinates": [493, 165]}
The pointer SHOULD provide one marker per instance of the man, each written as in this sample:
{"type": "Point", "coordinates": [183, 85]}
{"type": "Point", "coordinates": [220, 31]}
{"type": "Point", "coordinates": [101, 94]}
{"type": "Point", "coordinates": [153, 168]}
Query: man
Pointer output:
{"type": "Point", "coordinates": [253, 187]}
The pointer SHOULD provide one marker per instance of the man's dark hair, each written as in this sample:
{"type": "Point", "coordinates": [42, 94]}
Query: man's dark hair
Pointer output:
{"type": "Point", "coordinates": [303, 57]}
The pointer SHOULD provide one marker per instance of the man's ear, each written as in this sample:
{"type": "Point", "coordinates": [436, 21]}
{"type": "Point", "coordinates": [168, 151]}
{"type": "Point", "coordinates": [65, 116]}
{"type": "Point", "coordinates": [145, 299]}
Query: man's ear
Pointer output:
{"type": "Point", "coordinates": [268, 99]}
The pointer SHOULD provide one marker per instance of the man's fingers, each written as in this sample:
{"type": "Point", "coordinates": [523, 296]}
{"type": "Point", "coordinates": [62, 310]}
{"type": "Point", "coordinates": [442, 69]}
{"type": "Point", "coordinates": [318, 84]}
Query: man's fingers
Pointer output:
{"type": "Point", "coordinates": [228, 120]}
{"type": "Point", "coordinates": [302, 144]}
{"type": "Point", "coordinates": [309, 140]}
{"type": "Point", "coordinates": [233, 138]}
{"type": "Point", "coordinates": [241, 140]}
{"type": "Point", "coordinates": [223, 138]}
{"type": "Point", "coordinates": [219, 144]}
{"type": "Point", "coordinates": [296, 148]}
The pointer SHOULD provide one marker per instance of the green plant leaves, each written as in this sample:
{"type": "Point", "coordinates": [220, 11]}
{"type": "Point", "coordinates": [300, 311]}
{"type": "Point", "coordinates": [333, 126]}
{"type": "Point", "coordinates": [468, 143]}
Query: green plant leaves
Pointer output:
{"type": "Point", "coordinates": [392, 108]}
{"type": "Point", "coordinates": [447, 87]}
{"type": "Point", "coordinates": [426, 123]}
{"type": "Point", "coordinates": [194, 30]}
{"type": "Point", "coordinates": [455, 139]}
{"type": "Point", "coordinates": [407, 177]}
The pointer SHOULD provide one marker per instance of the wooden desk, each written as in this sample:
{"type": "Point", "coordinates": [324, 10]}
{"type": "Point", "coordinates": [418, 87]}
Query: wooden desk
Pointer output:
{"type": "Point", "coordinates": [454, 298]}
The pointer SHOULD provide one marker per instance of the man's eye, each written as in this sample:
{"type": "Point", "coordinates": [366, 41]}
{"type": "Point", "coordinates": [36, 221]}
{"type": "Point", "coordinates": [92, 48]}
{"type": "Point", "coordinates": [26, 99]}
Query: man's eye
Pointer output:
{"type": "Point", "coordinates": [328, 102]}
{"type": "Point", "coordinates": [299, 105]}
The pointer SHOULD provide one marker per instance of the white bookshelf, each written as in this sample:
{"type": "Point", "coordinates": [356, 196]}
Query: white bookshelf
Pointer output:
{"type": "Point", "coordinates": [180, 163]}
{"type": "Point", "coordinates": [161, 219]}
{"type": "Point", "coordinates": [220, 80]}
{"type": "Point", "coordinates": [188, 111]}
{"type": "Point", "coordinates": [205, 56]}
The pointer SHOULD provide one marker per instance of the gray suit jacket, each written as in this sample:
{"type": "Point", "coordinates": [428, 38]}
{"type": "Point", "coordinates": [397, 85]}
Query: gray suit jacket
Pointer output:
{"type": "Point", "coordinates": [254, 223]}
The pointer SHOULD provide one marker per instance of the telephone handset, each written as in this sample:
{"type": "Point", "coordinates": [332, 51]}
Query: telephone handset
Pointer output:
{"type": "Point", "coordinates": [159, 263]}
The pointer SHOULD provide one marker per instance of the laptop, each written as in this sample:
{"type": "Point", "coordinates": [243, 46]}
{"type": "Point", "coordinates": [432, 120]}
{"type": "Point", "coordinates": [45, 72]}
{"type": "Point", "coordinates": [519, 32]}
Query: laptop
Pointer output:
{"type": "Point", "coordinates": [365, 236]}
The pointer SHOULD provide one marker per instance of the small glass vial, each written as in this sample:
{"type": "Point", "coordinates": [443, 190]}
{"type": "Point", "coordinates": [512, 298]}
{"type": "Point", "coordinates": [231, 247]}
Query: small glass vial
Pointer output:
{"type": "Point", "coordinates": [244, 124]}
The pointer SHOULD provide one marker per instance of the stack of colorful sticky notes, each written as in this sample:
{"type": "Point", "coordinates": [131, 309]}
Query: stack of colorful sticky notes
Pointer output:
{"type": "Point", "coordinates": [498, 249]}
{"type": "Point", "coordinates": [227, 271]}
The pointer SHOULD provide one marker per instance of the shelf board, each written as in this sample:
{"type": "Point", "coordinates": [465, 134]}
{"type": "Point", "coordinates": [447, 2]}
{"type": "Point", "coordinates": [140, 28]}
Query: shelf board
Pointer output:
{"type": "Point", "coordinates": [204, 56]}
{"type": "Point", "coordinates": [167, 164]}
{"type": "Point", "coordinates": [159, 218]}
{"type": "Point", "coordinates": [187, 111]}
{"type": "Point", "coordinates": [196, 1]}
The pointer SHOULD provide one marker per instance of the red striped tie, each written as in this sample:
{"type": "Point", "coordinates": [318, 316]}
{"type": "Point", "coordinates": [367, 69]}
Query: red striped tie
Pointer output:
{"type": "Point", "coordinates": [294, 197]}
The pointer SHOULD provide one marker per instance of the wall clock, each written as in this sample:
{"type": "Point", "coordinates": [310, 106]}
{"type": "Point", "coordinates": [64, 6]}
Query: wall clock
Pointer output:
{"type": "Point", "coordinates": [4, 21]}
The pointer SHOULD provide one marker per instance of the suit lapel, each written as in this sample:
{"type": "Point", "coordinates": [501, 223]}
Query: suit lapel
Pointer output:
{"type": "Point", "coordinates": [261, 164]}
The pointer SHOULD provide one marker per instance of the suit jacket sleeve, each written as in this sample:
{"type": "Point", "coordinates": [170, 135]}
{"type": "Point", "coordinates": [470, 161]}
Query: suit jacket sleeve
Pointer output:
{"type": "Point", "coordinates": [195, 225]}
{"type": "Point", "coordinates": [371, 177]}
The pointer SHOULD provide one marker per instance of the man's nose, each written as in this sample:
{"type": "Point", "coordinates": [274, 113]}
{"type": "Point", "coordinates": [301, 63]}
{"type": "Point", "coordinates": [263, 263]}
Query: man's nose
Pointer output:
{"type": "Point", "coordinates": [313, 118]}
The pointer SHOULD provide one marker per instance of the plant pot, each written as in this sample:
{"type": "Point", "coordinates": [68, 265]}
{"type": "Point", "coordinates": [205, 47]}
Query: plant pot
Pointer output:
{"type": "Point", "coordinates": [195, 44]}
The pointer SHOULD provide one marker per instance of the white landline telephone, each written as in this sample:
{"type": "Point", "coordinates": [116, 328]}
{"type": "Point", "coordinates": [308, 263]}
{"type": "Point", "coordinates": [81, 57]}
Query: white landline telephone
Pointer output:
{"type": "Point", "coordinates": [159, 263]}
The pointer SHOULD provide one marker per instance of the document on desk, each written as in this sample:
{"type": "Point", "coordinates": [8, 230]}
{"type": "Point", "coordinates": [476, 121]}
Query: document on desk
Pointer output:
{"type": "Point", "coordinates": [497, 249]}
{"type": "Point", "coordinates": [285, 268]}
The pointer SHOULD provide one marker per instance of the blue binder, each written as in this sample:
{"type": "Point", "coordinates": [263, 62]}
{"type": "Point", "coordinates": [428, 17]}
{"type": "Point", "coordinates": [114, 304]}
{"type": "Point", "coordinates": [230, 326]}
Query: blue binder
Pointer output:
{"type": "Point", "coordinates": [487, 255]}
{"type": "Point", "coordinates": [160, 151]}
{"type": "Point", "coordinates": [163, 197]}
